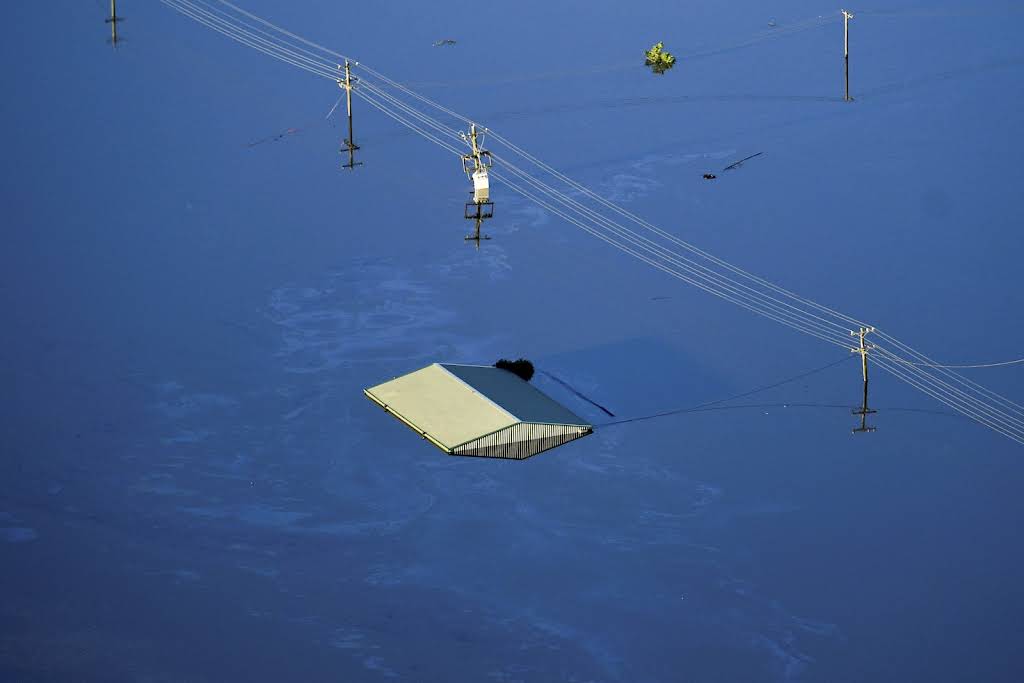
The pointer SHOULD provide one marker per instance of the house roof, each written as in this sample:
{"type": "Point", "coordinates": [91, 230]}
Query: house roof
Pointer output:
{"type": "Point", "coordinates": [513, 394]}
{"type": "Point", "coordinates": [454, 404]}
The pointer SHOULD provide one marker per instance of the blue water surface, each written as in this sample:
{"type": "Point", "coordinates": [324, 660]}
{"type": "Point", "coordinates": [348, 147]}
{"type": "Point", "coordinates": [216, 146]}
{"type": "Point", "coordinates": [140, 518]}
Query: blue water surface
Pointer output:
{"type": "Point", "coordinates": [193, 487]}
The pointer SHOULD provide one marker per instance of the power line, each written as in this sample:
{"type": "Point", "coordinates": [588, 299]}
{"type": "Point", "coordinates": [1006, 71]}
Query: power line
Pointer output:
{"type": "Point", "coordinates": [700, 269]}
{"type": "Point", "coordinates": [757, 390]}
{"type": "Point", "coordinates": [967, 366]}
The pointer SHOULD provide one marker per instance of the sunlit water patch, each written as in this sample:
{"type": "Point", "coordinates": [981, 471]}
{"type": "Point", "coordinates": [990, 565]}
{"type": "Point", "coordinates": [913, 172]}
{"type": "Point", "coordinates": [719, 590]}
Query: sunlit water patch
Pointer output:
{"type": "Point", "coordinates": [364, 313]}
{"type": "Point", "coordinates": [18, 534]}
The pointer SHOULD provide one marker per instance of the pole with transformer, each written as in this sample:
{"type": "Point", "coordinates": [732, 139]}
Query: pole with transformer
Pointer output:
{"type": "Point", "coordinates": [475, 165]}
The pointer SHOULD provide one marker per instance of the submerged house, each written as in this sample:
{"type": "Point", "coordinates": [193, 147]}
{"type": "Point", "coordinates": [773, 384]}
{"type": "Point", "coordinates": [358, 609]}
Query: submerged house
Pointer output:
{"type": "Point", "coordinates": [478, 410]}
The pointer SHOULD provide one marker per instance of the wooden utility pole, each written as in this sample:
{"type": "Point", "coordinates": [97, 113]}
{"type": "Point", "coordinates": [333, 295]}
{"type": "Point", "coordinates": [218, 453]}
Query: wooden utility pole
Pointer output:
{"type": "Point", "coordinates": [478, 217]}
{"type": "Point", "coordinates": [846, 50]}
{"type": "Point", "coordinates": [480, 158]}
{"type": "Point", "coordinates": [349, 144]}
{"type": "Point", "coordinates": [475, 146]}
{"type": "Point", "coordinates": [863, 349]}
{"type": "Point", "coordinates": [112, 20]}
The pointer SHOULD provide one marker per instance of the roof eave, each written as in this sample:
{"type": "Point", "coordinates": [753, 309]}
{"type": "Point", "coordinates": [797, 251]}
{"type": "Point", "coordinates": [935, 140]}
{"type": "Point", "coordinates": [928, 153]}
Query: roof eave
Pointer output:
{"type": "Point", "coordinates": [410, 424]}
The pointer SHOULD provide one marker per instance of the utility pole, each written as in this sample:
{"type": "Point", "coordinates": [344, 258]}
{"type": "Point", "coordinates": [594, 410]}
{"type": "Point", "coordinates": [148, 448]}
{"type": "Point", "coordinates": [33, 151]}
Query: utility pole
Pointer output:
{"type": "Point", "coordinates": [479, 216]}
{"type": "Point", "coordinates": [112, 20]}
{"type": "Point", "coordinates": [475, 164]}
{"type": "Point", "coordinates": [863, 349]}
{"type": "Point", "coordinates": [349, 143]}
{"type": "Point", "coordinates": [846, 50]}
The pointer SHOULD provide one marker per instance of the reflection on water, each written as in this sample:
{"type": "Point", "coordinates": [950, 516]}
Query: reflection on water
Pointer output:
{"type": "Point", "coordinates": [360, 315]}
{"type": "Point", "coordinates": [248, 495]}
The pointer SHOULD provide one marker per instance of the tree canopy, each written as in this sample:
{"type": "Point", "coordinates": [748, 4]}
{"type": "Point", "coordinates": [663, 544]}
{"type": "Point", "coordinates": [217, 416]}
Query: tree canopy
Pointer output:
{"type": "Point", "coordinates": [658, 59]}
{"type": "Point", "coordinates": [522, 367]}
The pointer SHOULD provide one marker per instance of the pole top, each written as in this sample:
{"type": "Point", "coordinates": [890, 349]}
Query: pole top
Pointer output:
{"type": "Point", "coordinates": [847, 14]}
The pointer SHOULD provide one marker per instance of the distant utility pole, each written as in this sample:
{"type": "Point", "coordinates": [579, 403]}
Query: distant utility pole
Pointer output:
{"type": "Point", "coordinates": [863, 351]}
{"type": "Point", "coordinates": [349, 143]}
{"type": "Point", "coordinates": [846, 49]}
{"type": "Point", "coordinates": [112, 20]}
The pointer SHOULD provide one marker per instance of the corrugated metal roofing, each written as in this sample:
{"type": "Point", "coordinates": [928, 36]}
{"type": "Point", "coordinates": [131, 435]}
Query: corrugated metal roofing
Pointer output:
{"type": "Point", "coordinates": [478, 410]}
{"type": "Point", "coordinates": [438, 404]}
{"type": "Point", "coordinates": [514, 394]}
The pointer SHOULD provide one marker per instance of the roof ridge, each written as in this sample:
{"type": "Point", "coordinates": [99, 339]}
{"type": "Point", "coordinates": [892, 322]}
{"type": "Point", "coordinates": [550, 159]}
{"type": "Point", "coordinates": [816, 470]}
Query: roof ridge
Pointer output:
{"type": "Point", "coordinates": [477, 391]}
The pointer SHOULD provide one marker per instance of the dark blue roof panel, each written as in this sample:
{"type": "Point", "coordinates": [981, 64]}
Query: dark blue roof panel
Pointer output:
{"type": "Point", "coordinates": [515, 395]}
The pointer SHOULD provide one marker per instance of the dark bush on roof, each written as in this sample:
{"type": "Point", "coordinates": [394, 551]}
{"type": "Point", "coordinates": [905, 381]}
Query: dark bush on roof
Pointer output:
{"type": "Point", "coordinates": [522, 367]}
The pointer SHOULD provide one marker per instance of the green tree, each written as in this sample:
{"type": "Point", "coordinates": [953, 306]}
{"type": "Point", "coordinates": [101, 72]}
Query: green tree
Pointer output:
{"type": "Point", "coordinates": [658, 59]}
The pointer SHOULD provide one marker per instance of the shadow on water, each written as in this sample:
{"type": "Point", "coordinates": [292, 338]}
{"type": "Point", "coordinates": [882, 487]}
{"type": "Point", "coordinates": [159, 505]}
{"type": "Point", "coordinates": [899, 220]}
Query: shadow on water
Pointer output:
{"type": "Point", "coordinates": [669, 100]}
{"type": "Point", "coordinates": [612, 104]}
{"type": "Point", "coordinates": [763, 406]}
{"type": "Point", "coordinates": [941, 12]}
{"type": "Point", "coordinates": [578, 393]}
{"type": "Point", "coordinates": [633, 102]}
{"type": "Point", "coordinates": [870, 93]}
{"type": "Point", "coordinates": [732, 46]}
{"type": "Point", "coordinates": [938, 76]}
{"type": "Point", "coordinates": [728, 403]}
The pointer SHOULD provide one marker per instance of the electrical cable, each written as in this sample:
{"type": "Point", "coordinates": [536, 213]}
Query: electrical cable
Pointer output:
{"type": "Point", "coordinates": [967, 366]}
{"type": "Point", "coordinates": [731, 283]}
{"type": "Point", "coordinates": [704, 406]}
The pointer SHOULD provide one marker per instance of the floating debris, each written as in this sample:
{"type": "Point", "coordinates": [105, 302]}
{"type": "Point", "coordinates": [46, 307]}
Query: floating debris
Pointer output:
{"type": "Point", "coordinates": [274, 138]}
{"type": "Point", "coordinates": [288, 132]}
{"type": "Point", "coordinates": [709, 176]}
{"type": "Point", "coordinates": [444, 42]}
{"type": "Point", "coordinates": [740, 162]}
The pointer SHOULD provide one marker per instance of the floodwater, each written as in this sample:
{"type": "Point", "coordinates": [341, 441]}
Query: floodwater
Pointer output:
{"type": "Point", "coordinates": [193, 487]}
